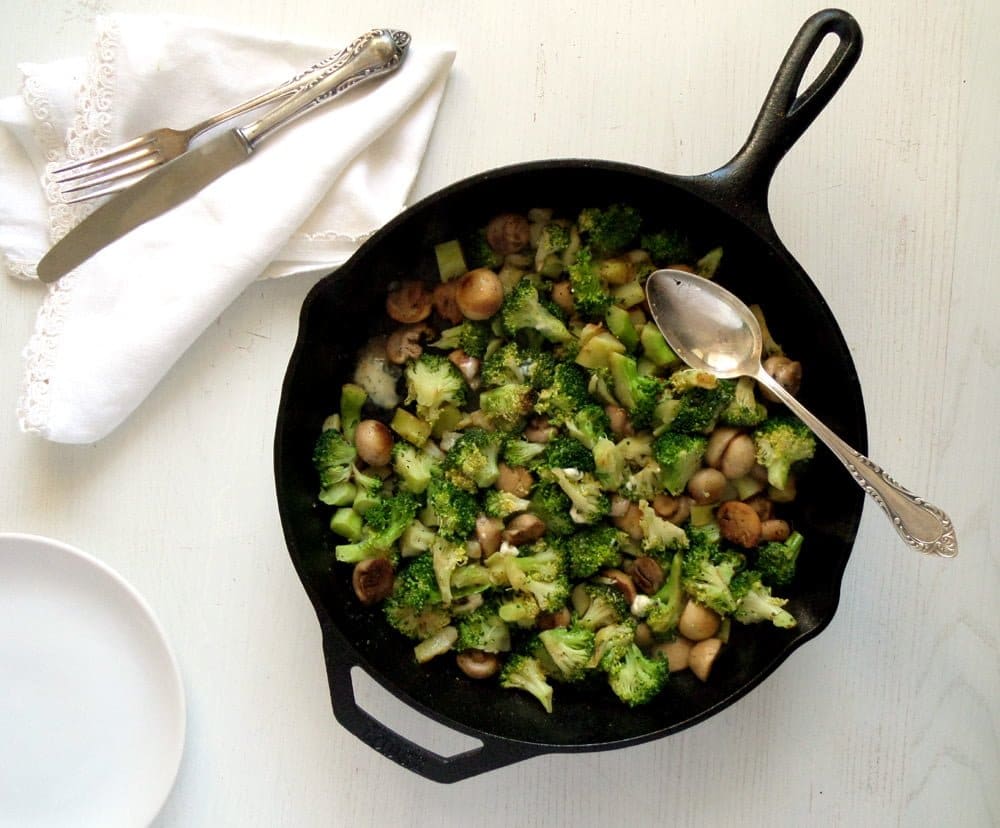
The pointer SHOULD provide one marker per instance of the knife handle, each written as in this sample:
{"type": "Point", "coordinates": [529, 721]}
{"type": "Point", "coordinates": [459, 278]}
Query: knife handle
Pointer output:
{"type": "Point", "coordinates": [375, 53]}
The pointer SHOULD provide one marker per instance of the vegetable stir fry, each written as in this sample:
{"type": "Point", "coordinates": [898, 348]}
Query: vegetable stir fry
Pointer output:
{"type": "Point", "coordinates": [524, 477]}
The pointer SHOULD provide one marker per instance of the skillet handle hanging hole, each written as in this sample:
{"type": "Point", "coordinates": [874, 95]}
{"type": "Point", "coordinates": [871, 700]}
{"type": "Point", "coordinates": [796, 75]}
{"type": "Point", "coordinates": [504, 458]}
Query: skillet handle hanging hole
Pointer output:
{"type": "Point", "coordinates": [786, 112]}
{"type": "Point", "coordinates": [380, 721]}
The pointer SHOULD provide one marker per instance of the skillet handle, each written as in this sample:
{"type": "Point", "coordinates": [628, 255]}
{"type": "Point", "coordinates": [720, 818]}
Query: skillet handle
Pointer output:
{"type": "Point", "coordinates": [785, 115]}
{"type": "Point", "coordinates": [494, 753]}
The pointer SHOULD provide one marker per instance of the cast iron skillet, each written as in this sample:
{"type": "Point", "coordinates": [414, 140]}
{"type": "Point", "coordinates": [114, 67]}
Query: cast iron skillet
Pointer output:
{"type": "Point", "coordinates": [728, 207]}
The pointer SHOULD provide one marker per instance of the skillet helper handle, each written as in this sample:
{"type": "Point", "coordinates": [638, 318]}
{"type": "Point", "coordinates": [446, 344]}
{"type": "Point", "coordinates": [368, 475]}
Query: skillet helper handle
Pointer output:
{"type": "Point", "coordinates": [376, 53]}
{"type": "Point", "coordinates": [493, 754]}
{"type": "Point", "coordinates": [786, 113]}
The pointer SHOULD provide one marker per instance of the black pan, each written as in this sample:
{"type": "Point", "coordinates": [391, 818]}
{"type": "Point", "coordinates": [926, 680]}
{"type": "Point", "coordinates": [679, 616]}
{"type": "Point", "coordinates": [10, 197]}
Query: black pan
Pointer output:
{"type": "Point", "coordinates": [728, 207]}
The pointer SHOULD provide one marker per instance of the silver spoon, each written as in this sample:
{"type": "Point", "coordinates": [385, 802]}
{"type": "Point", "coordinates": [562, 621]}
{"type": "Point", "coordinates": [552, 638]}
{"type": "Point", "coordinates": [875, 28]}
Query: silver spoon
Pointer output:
{"type": "Point", "coordinates": [711, 329]}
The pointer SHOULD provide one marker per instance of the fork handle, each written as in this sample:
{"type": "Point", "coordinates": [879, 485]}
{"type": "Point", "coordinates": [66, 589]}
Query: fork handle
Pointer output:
{"type": "Point", "coordinates": [375, 53]}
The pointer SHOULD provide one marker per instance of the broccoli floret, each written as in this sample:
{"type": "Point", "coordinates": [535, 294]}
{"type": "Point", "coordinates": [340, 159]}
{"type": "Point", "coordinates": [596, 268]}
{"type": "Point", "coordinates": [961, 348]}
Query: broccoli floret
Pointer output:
{"type": "Point", "coordinates": [590, 295]}
{"type": "Point", "coordinates": [781, 443]}
{"type": "Point", "coordinates": [413, 466]}
{"type": "Point", "coordinates": [589, 424]}
{"type": "Point", "coordinates": [447, 556]}
{"type": "Point", "coordinates": [415, 539]}
{"type": "Point", "coordinates": [524, 672]}
{"type": "Point", "coordinates": [684, 379]}
{"type": "Point", "coordinates": [454, 510]}
{"type": "Point", "coordinates": [518, 453]}
{"type": "Point", "coordinates": [666, 247]}
{"type": "Point", "coordinates": [507, 405]}
{"type": "Point", "coordinates": [610, 644]}
{"type": "Point", "coordinates": [384, 523]}
{"type": "Point", "coordinates": [418, 624]}
{"type": "Point", "coordinates": [589, 503]}
{"type": "Point", "coordinates": [565, 395]}
{"type": "Point", "coordinates": [744, 410]}
{"type": "Point", "coordinates": [776, 560]}
{"type": "Point", "coordinates": [592, 549]}
{"type": "Point", "coordinates": [552, 241]}
{"type": "Point", "coordinates": [756, 603]}
{"type": "Point", "coordinates": [609, 230]}
{"type": "Point", "coordinates": [659, 535]}
{"type": "Point", "coordinates": [549, 503]}
{"type": "Point", "coordinates": [415, 585]}
{"type": "Point", "coordinates": [520, 609]}
{"type": "Point", "coordinates": [522, 310]}
{"type": "Point", "coordinates": [432, 381]}
{"type": "Point", "coordinates": [563, 452]}
{"type": "Point", "coordinates": [699, 408]}
{"type": "Point", "coordinates": [512, 363]}
{"type": "Point", "coordinates": [668, 601]}
{"type": "Point", "coordinates": [637, 393]}
{"type": "Point", "coordinates": [679, 456]}
{"type": "Point", "coordinates": [473, 460]}
{"type": "Point", "coordinates": [643, 484]}
{"type": "Point", "coordinates": [352, 400]}
{"type": "Point", "coordinates": [707, 582]}
{"type": "Point", "coordinates": [472, 336]}
{"type": "Point", "coordinates": [483, 629]}
{"type": "Point", "coordinates": [636, 679]}
{"type": "Point", "coordinates": [500, 504]}
{"type": "Point", "coordinates": [478, 252]}
{"type": "Point", "coordinates": [605, 605]}
{"type": "Point", "coordinates": [332, 458]}
{"type": "Point", "coordinates": [540, 560]}
{"type": "Point", "coordinates": [368, 490]}
{"type": "Point", "coordinates": [610, 468]}
{"type": "Point", "coordinates": [567, 650]}
{"type": "Point", "coordinates": [550, 595]}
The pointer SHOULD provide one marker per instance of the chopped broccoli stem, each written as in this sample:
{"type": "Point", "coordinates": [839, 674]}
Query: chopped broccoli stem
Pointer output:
{"type": "Point", "coordinates": [450, 261]}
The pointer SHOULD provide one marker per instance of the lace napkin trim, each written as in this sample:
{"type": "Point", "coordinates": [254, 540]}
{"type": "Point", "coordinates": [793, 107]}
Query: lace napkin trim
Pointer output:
{"type": "Point", "coordinates": [88, 135]}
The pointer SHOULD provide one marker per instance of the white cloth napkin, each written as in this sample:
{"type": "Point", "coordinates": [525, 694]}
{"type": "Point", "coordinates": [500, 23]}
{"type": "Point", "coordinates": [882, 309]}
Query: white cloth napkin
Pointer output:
{"type": "Point", "coordinates": [109, 331]}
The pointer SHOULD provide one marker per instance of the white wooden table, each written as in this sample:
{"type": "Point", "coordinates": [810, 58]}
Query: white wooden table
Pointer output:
{"type": "Point", "coordinates": [890, 203]}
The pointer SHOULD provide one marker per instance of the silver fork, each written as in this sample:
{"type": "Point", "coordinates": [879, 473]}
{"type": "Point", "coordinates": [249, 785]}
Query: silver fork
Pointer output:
{"type": "Point", "coordinates": [123, 165]}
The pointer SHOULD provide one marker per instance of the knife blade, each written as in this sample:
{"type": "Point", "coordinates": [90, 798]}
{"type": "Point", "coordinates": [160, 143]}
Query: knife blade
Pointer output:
{"type": "Point", "coordinates": [374, 54]}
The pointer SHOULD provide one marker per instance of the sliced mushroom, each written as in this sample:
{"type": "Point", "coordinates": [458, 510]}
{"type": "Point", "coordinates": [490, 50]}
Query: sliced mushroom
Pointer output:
{"type": "Point", "coordinates": [523, 529]}
{"type": "Point", "coordinates": [702, 657]}
{"type": "Point", "coordinates": [516, 480]}
{"type": "Point", "coordinates": [647, 574]}
{"type": "Point", "coordinates": [405, 342]}
{"type": "Point", "coordinates": [698, 622]}
{"type": "Point", "coordinates": [550, 620]}
{"type": "Point", "coordinates": [445, 302]}
{"type": "Point", "coordinates": [787, 372]}
{"type": "Point", "coordinates": [479, 294]}
{"type": "Point", "coordinates": [706, 486]}
{"type": "Point", "coordinates": [675, 509]}
{"type": "Point", "coordinates": [467, 365]}
{"type": "Point", "coordinates": [643, 636]}
{"type": "Point", "coordinates": [373, 441]}
{"type": "Point", "coordinates": [488, 533]}
{"type": "Point", "coordinates": [630, 522]}
{"type": "Point", "coordinates": [774, 530]}
{"type": "Point", "coordinates": [739, 458]}
{"type": "Point", "coordinates": [477, 664]}
{"type": "Point", "coordinates": [410, 302]}
{"type": "Point", "coordinates": [718, 442]}
{"type": "Point", "coordinates": [676, 652]}
{"type": "Point", "coordinates": [508, 233]}
{"type": "Point", "coordinates": [624, 583]}
{"type": "Point", "coordinates": [372, 580]}
{"type": "Point", "coordinates": [539, 430]}
{"type": "Point", "coordinates": [762, 506]}
{"type": "Point", "coordinates": [739, 523]}
{"type": "Point", "coordinates": [618, 421]}
{"type": "Point", "coordinates": [562, 295]}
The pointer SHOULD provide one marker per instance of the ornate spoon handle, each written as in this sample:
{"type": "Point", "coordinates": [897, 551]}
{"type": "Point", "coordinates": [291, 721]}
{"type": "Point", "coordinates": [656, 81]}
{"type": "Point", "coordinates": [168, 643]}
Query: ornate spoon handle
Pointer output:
{"type": "Point", "coordinates": [922, 525]}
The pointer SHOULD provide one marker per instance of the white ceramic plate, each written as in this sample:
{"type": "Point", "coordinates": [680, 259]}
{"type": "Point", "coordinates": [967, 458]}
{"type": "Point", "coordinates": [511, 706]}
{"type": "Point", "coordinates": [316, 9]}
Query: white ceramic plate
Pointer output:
{"type": "Point", "coordinates": [92, 715]}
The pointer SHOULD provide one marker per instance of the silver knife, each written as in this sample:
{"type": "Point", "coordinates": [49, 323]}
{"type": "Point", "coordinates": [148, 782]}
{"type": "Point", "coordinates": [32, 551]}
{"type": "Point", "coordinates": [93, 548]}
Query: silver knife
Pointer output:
{"type": "Point", "coordinates": [372, 55]}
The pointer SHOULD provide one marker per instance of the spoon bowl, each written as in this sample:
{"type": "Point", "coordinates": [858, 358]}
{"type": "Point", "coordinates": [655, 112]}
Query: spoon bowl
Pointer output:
{"type": "Point", "coordinates": [711, 329]}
